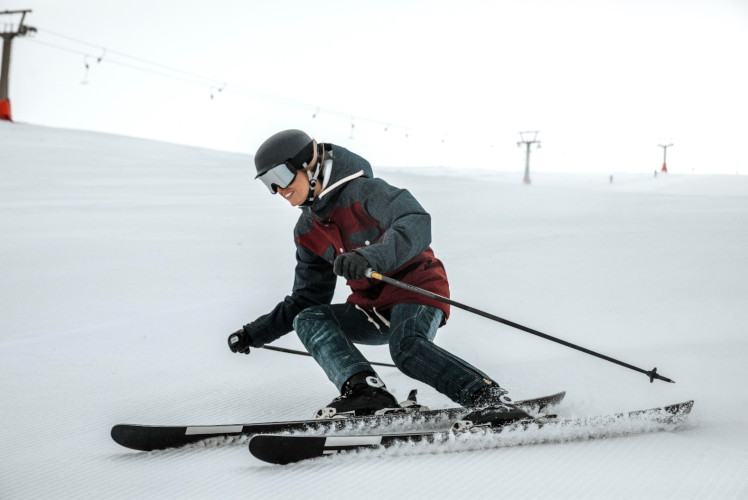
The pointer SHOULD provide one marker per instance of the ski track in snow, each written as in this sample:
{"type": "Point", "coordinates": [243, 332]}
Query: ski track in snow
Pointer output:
{"type": "Point", "coordinates": [126, 263]}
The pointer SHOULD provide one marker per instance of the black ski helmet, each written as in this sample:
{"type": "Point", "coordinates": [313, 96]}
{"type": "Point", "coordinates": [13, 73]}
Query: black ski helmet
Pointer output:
{"type": "Point", "coordinates": [293, 146]}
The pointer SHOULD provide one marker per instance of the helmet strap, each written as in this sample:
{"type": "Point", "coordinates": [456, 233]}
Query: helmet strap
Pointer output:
{"type": "Point", "coordinates": [313, 173]}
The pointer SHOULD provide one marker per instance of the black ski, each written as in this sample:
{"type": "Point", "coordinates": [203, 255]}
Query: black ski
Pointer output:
{"type": "Point", "coordinates": [157, 437]}
{"type": "Point", "coordinates": [288, 449]}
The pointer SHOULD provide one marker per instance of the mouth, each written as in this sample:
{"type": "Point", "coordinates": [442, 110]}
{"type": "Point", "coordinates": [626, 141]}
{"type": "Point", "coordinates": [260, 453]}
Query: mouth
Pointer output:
{"type": "Point", "coordinates": [288, 195]}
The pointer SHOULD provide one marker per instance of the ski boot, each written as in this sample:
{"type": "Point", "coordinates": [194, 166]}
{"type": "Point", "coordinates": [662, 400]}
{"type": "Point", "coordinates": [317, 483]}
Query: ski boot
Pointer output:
{"type": "Point", "coordinates": [362, 394]}
{"type": "Point", "coordinates": [493, 408]}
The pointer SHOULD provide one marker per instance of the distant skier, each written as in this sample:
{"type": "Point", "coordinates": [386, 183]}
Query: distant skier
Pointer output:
{"type": "Point", "coordinates": [351, 222]}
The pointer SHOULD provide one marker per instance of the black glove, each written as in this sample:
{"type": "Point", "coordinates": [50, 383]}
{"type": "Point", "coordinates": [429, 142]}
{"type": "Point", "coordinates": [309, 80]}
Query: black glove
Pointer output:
{"type": "Point", "coordinates": [240, 341]}
{"type": "Point", "coordinates": [352, 266]}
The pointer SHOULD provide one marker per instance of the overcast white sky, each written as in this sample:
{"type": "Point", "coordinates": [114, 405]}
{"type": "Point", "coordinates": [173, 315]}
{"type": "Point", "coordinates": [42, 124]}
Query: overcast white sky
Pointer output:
{"type": "Point", "coordinates": [403, 82]}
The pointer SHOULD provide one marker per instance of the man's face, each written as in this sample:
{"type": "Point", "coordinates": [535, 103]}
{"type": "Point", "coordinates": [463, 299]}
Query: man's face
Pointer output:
{"type": "Point", "coordinates": [298, 191]}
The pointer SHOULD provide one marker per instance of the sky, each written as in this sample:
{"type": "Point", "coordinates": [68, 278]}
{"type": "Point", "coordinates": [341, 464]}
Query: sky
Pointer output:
{"type": "Point", "coordinates": [402, 82]}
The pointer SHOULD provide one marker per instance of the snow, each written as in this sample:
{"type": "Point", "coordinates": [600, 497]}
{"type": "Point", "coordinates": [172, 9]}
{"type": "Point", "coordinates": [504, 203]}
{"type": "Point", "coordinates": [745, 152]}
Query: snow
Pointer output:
{"type": "Point", "coordinates": [126, 263]}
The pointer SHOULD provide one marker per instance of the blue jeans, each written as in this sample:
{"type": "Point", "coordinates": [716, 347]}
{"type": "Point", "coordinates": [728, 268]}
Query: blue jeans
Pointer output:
{"type": "Point", "coordinates": [329, 333]}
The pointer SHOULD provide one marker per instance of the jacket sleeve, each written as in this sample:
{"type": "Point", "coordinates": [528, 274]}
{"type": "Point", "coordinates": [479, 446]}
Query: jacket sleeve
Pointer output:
{"type": "Point", "coordinates": [405, 224]}
{"type": "Point", "coordinates": [314, 284]}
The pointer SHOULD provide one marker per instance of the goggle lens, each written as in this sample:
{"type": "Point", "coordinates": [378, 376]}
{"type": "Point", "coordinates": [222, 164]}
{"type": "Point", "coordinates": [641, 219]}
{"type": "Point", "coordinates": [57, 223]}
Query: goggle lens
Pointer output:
{"type": "Point", "coordinates": [281, 176]}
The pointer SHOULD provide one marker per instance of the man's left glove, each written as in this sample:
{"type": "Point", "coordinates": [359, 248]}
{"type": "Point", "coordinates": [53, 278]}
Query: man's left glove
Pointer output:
{"type": "Point", "coordinates": [240, 341]}
{"type": "Point", "coordinates": [352, 266]}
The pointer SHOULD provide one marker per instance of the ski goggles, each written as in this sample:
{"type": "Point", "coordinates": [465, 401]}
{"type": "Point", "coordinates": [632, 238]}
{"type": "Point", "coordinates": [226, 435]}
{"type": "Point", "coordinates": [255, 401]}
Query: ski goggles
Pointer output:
{"type": "Point", "coordinates": [280, 176]}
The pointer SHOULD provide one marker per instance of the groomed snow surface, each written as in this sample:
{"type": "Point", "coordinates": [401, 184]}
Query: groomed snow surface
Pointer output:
{"type": "Point", "coordinates": [126, 264]}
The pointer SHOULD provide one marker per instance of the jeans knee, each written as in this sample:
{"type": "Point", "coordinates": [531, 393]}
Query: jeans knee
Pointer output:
{"type": "Point", "coordinates": [308, 321]}
{"type": "Point", "coordinates": [401, 345]}
{"type": "Point", "coordinates": [409, 337]}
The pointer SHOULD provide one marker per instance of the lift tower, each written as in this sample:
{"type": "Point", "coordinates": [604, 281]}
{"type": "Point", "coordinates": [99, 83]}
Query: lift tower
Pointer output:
{"type": "Point", "coordinates": [528, 142]}
{"type": "Point", "coordinates": [664, 156]}
{"type": "Point", "coordinates": [9, 33]}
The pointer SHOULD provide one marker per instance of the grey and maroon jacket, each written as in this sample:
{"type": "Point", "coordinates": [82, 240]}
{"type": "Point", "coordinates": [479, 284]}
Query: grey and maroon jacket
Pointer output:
{"type": "Point", "coordinates": [357, 212]}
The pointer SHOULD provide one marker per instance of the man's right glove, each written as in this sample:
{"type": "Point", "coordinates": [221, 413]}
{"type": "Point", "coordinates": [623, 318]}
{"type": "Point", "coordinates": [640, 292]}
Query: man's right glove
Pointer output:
{"type": "Point", "coordinates": [240, 341]}
{"type": "Point", "coordinates": [352, 266]}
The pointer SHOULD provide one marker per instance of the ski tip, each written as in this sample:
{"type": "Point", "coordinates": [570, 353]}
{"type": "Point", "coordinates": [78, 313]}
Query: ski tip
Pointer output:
{"type": "Point", "coordinates": [151, 438]}
{"type": "Point", "coordinates": [679, 411]}
{"type": "Point", "coordinates": [283, 450]}
{"type": "Point", "coordinates": [122, 436]}
{"type": "Point", "coordinates": [127, 435]}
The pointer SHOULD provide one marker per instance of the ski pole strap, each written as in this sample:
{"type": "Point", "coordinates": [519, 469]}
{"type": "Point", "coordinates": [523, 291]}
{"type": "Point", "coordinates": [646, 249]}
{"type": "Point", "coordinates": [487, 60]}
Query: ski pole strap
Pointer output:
{"type": "Point", "coordinates": [652, 374]}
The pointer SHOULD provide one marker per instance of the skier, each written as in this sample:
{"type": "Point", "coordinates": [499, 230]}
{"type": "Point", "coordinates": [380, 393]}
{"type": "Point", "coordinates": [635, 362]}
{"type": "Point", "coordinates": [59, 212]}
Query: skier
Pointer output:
{"type": "Point", "coordinates": [351, 222]}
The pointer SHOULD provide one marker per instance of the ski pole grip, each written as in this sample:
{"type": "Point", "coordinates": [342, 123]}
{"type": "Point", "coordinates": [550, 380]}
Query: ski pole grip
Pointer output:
{"type": "Point", "coordinates": [372, 274]}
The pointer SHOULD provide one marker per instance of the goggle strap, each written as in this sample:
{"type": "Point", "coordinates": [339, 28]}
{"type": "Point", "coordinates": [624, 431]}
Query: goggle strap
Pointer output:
{"type": "Point", "coordinates": [298, 160]}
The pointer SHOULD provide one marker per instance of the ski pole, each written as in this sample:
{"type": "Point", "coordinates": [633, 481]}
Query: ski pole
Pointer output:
{"type": "Point", "coordinates": [652, 374]}
{"type": "Point", "coordinates": [302, 353]}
